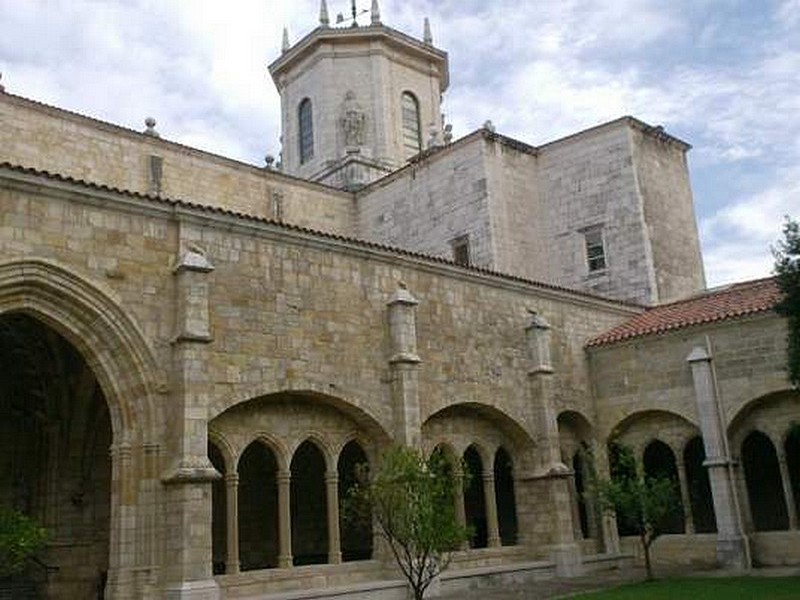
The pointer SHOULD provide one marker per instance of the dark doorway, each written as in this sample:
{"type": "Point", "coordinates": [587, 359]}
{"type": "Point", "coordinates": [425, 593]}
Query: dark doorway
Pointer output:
{"type": "Point", "coordinates": [258, 508]}
{"type": "Point", "coordinates": [55, 436]}
{"type": "Point", "coordinates": [475, 499]}
{"type": "Point", "coordinates": [792, 448]}
{"type": "Point", "coordinates": [659, 461]}
{"type": "Point", "coordinates": [764, 487]}
{"type": "Point", "coordinates": [356, 531]}
{"type": "Point", "coordinates": [579, 468]}
{"type": "Point", "coordinates": [219, 509]}
{"type": "Point", "coordinates": [504, 496]}
{"type": "Point", "coordinates": [700, 498]}
{"type": "Point", "coordinates": [309, 506]}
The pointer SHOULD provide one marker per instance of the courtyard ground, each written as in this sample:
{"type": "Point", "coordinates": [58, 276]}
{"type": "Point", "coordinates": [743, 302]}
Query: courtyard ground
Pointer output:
{"type": "Point", "coordinates": [679, 581]}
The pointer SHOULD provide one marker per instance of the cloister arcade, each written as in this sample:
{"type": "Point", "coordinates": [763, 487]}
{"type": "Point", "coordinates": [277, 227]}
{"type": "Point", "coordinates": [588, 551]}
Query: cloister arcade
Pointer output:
{"type": "Point", "coordinates": [280, 501]}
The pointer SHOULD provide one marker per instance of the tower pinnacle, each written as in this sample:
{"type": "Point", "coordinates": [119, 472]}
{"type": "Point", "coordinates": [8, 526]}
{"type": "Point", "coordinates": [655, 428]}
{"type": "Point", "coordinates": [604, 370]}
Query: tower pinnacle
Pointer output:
{"type": "Point", "coordinates": [427, 37]}
{"type": "Point", "coordinates": [376, 13]}
{"type": "Point", "coordinates": [285, 43]}
{"type": "Point", "coordinates": [323, 14]}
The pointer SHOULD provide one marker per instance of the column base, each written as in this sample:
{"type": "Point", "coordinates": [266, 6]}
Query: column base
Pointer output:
{"type": "Point", "coordinates": [192, 590]}
{"type": "Point", "coordinates": [567, 558]}
{"type": "Point", "coordinates": [734, 553]}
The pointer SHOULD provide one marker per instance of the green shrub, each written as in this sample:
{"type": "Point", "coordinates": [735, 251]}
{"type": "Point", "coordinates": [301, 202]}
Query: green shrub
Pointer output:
{"type": "Point", "coordinates": [20, 539]}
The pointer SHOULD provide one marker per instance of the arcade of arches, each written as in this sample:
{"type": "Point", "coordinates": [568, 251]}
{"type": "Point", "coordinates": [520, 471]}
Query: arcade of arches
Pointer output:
{"type": "Point", "coordinates": [280, 501]}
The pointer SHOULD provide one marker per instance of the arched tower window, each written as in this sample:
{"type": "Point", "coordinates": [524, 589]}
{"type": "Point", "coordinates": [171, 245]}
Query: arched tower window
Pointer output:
{"type": "Point", "coordinates": [412, 134]}
{"type": "Point", "coordinates": [306, 137]}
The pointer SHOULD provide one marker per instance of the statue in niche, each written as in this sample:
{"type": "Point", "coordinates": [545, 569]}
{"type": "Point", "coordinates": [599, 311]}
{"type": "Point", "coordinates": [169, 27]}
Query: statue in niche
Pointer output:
{"type": "Point", "coordinates": [353, 122]}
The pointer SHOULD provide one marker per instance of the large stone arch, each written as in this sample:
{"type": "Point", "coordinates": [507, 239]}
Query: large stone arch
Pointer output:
{"type": "Point", "coordinates": [638, 429]}
{"type": "Point", "coordinates": [771, 413]}
{"type": "Point", "coordinates": [348, 404]}
{"type": "Point", "coordinates": [90, 317]}
{"type": "Point", "coordinates": [512, 433]}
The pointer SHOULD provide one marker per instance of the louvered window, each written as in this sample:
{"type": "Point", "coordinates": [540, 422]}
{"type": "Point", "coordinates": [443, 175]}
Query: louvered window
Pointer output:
{"type": "Point", "coordinates": [412, 136]}
{"type": "Point", "coordinates": [306, 131]}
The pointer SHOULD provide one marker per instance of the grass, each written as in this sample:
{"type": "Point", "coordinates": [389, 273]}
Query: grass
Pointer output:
{"type": "Point", "coordinates": [704, 588]}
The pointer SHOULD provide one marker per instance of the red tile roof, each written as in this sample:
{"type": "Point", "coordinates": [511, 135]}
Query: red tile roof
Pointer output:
{"type": "Point", "coordinates": [719, 304]}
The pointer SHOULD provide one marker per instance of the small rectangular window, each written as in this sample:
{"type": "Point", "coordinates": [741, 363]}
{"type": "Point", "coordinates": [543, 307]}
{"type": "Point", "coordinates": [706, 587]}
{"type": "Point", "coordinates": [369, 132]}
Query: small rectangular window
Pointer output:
{"type": "Point", "coordinates": [460, 247]}
{"type": "Point", "coordinates": [595, 250]}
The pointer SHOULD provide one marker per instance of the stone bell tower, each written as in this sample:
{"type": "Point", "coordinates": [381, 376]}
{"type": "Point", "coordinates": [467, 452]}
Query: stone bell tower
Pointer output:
{"type": "Point", "coordinates": [357, 101]}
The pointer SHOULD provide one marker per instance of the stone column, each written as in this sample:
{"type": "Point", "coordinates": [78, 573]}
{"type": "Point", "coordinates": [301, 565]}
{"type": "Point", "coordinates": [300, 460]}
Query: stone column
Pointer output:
{"type": "Point", "coordinates": [732, 545]}
{"type": "Point", "coordinates": [284, 520]}
{"type": "Point", "coordinates": [404, 365]}
{"type": "Point", "coordinates": [608, 521]}
{"type": "Point", "coordinates": [187, 568]}
{"type": "Point", "coordinates": [490, 499]}
{"type": "Point", "coordinates": [232, 522]}
{"type": "Point", "coordinates": [461, 512]}
{"type": "Point", "coordinates": [551, 479]}
{"type": "Point", "coordinates": [787, 490]}
{"type": "Point", "coordinates": [334, 539]}
{"type": "Point", "coordinates": [685, 498]}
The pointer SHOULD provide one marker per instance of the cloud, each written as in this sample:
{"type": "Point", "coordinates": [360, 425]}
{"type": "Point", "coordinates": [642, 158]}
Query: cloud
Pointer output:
{"type": "Point", "coordinates": [720, 73]}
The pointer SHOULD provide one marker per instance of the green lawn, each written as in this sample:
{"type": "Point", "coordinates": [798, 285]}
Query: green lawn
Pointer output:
{"type": "Point", "coordinates": [705, 588]}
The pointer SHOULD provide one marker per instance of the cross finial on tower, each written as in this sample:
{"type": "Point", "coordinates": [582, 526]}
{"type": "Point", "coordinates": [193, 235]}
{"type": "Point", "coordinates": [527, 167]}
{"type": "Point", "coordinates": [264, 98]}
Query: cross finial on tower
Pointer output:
{"type": "Point", "coordinates": [376, 13]}
{"type": "Point", "coordinates": [323, 14]}
{"type": "Point", "coordinates": [427, 37]}
{"type": "Point", "coordinates": [285, 43]}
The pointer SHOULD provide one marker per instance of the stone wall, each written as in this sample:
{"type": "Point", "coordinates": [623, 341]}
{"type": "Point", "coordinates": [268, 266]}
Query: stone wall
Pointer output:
{"type": "Point", "coordinates": [427, 205]}
{"type": "Point", "coordinates": [663, 180]}
{"type": "Point", "coordinates": [589, 180]}
{"type": "Point", "coordinates": [651, 373]}
{"type": "Point", "coordinates": [57, 141]}
{"type": "Point", "coordinates": [305, 315]}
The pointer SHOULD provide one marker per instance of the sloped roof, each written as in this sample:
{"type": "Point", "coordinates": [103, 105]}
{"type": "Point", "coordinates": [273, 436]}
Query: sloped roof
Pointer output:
{"type": "Point", "coordinates": [358, 242]}
{"type": "Point", "coordinates": [719, 304]}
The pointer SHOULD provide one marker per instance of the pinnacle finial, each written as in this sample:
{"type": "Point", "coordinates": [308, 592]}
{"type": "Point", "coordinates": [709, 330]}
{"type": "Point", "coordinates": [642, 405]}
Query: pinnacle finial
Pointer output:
{"type": "Point", "coordinates": [285, 43]}
{"type": "Point", "coordinates": [427, 36]}
{"type": "Point", "coordinates": [323, 14]}
{"type": "Point", "coordinates": [2, 88]}
{"type": "Point", "coordinates": [376, 13]}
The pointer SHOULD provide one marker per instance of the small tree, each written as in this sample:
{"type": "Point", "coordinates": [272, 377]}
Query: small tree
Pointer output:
{"type": "Point", "coordinates": [20, 539]}
{"type": "Point", "coordinates": [644, 505]}
{"type": "Point", "coordinates": [411, 498]}
{"type": "Point", "coordinates": [787, 275]}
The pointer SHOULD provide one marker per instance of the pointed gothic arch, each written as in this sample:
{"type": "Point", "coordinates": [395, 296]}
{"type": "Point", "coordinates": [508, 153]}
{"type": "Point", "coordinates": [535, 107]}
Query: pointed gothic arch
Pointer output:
{"type": "Point", "coordinates": [91, 318]}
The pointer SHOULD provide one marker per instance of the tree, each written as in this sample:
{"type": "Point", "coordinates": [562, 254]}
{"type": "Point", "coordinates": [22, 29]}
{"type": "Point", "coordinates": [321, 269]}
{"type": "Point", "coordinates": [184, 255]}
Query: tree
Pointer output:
{"type": "Point", "coordinates": [20, 539]}
{"type": "Point", "coordinates": [411, 499]}
{"type": "Point", "coordinates": [643, 505]}
{"type": "Point", "coordinates": [787, 276]}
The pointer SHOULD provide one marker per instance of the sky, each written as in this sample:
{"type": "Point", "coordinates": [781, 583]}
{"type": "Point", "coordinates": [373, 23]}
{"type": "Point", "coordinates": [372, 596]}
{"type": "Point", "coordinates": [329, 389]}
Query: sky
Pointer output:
{"type": "Point", "coordinates": [723, 75]}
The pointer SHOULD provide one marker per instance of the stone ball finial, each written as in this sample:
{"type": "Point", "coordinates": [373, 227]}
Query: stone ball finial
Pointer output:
{"type": "Point", "coordinates": [448, 133]}
{"type": "Point", "coordinates": [269, 159]}
{"type": "Point", "coordinates": [489, 126]}
{"type": "Point", "coordinates": [150, 127]}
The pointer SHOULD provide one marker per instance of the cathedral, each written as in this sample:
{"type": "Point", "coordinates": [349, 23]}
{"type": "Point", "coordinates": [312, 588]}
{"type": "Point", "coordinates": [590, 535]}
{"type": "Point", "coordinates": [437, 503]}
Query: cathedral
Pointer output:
{"type": "Point", "coordinates": [197, 352]}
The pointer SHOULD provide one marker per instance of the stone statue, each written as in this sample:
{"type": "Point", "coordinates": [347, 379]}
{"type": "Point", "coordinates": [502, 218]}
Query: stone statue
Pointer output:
{"type": "Point", "coordinates": [353, 121]}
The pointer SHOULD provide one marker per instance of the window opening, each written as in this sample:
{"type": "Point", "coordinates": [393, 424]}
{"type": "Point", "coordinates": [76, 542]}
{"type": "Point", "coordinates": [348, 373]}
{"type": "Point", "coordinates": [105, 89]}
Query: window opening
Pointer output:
{"type": "Point", "coordinates": [306, 131]}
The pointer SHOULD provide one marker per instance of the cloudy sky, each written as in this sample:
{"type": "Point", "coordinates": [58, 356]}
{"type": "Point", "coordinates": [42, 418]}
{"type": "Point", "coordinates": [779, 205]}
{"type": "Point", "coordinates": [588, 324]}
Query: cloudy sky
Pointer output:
{"type": "Point", "coordinates": [723, 75]}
